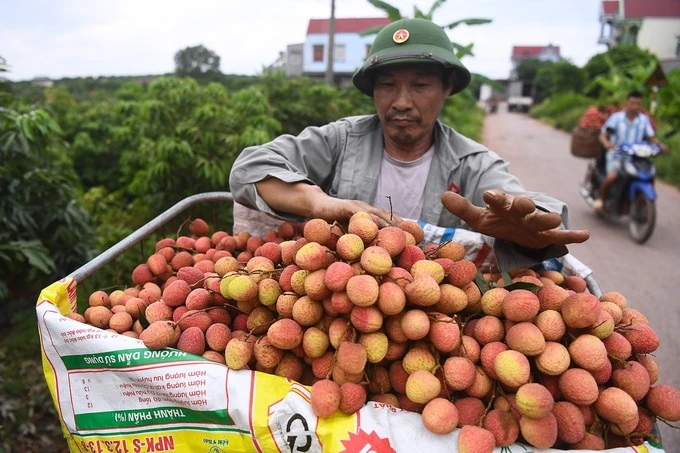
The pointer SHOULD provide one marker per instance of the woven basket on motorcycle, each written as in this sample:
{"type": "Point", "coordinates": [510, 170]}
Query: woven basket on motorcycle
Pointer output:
{"type": "Point", "coordinates": [584, 138]}
{"type": "Point", "coordinates": [585, 143]}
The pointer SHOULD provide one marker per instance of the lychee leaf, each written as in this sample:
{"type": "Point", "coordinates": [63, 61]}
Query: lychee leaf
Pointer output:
{"type": "Point", "coordinates": [142, 319]}
{"type": "Point", "coordinates": [481, 282]}
{"type": "Point", "coordinates": [523, 285]}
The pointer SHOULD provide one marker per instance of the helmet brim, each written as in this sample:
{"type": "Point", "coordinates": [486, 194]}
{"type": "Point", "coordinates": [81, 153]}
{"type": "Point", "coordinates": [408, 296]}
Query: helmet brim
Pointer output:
{"type": "Point", "coordinates": [415, 54]}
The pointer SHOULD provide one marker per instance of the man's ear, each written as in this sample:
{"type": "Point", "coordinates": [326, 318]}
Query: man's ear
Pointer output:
{"type": "Point", "coordinates": [450, 79]}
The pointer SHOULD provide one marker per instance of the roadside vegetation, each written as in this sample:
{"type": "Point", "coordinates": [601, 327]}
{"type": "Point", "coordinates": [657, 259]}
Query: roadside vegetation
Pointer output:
{"type": "Point", "coordinates": [565, 91]}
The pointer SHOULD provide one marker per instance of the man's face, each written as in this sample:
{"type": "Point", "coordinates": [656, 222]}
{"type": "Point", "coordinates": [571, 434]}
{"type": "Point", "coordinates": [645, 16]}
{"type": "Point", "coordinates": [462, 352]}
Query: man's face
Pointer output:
{"type": "Point", "coordinates": [408, 99]}
{"type": "Point", "coordinates": [634, 105]}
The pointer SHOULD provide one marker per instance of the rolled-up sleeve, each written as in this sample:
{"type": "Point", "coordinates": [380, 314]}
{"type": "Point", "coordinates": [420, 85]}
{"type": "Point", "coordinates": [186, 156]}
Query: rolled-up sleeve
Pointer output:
{"type": "Point", "coordinates": [310, 157]}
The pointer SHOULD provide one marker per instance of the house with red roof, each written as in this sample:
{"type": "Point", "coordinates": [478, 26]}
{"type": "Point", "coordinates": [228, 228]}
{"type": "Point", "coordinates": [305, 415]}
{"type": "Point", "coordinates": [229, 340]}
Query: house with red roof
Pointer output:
{"type": "Point", "coordinates": [651, 24]}
{"type": "Point", "coordinates": [542, 53]}
{"type": "Point", "coordinates": [350, 48]}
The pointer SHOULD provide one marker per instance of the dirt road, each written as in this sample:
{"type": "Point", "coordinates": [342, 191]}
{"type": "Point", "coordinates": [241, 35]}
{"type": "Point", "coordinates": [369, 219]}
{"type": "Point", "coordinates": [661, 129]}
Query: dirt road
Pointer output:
{"type": "Point", "coordinates": [647, 275]}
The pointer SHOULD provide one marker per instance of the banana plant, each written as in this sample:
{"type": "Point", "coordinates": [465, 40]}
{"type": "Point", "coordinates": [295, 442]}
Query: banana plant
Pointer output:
{"type": "Point", "coordinates": [394, 14]}
{"type": "Point", "coordinates": [619, 81]}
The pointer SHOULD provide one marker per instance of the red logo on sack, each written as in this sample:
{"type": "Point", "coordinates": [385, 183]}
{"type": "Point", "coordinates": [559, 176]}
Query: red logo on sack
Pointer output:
{"type": "Point", "coordinates": [362, 442]}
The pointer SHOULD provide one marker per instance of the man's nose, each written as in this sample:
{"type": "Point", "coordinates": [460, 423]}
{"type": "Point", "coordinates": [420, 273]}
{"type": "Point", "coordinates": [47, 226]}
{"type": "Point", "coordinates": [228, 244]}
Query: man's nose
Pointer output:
{"type": "Point", "coordinates": [403, 99]}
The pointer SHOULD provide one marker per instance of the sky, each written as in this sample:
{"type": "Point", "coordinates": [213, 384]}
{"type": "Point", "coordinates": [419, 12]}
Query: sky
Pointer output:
{"type": "Point", "coordinates": [80, 38]}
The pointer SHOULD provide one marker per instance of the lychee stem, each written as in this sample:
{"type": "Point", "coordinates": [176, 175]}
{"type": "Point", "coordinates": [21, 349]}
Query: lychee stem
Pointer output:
{"type": "Point", "coordinates": [623, 363]}
{"type": "Point", "coordinates": [389, 199]}
{"type": "Point", "coordinates": [179, 230]}
{"type": "Point", "coordinates": [490, 403]}
{"type": "Point", "coordinates": [668, 423]}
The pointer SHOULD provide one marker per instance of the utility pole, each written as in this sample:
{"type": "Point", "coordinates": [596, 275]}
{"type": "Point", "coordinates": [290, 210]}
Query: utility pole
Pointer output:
{"type": "Point", "coordinates": [331, 46]}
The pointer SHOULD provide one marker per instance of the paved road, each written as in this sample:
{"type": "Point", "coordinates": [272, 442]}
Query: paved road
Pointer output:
{"type": "Point", "coordinates": [647, 275]}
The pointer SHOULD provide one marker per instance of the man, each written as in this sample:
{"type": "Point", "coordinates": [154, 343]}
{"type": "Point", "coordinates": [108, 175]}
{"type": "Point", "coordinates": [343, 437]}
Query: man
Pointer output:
{"type": "Point", "coordinates": [629, 125]}
{"type": "Point", "coordinates": [403, 162]}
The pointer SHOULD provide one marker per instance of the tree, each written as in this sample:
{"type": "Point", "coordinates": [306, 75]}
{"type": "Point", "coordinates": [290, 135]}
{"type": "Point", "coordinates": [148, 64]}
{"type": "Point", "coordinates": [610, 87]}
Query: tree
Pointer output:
{"type": "Point", "coordinates": [625, 57]}
{"type": "Point", "coordinates": [196, 61]}
{"type": "Point", "coordinates": [559, 77]}
{"type": "Point", "coordinates": [44, 232]}
{"type": "Point", "coordinates": [527, 69]}
{"type": "Point", "coordinates": [669, 102]}
{"type": "Point", "coordinates": [618, 81]}
{"type": "Point", "coordinates": [5, 91]}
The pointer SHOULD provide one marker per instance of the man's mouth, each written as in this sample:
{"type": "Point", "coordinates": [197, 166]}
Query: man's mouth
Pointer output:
{"type": "Point", "coordinates": [402, 120]}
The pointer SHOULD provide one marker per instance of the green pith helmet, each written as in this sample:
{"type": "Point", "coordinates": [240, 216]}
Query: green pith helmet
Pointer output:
{"type": "Point", "coordinates": [411, 41]}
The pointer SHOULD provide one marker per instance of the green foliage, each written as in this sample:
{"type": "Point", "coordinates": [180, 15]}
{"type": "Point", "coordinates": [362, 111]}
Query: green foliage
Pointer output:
{"type": "Point", "coordinates": [301, 102]}
{"type": "Point", "coordinates": [623, 56]}
{"type": "Point", "coordinates": [463, 114]}
{"type": "Point", "coordinates": [669, 101]}
{"type": "Point", "coordinates": [44, 231]}
{"type": "Point", "coordinates": [562, 110]}
{"type": "Point", "coordinates": [196, 61]}
{"type": "Point", "coordinates": [5, 88]}
{"type": "Point", "coordinates": [668, 165]}
{"type": "Point", "coordinates": [560, 77]}
{"type": "Point", "coordinates": [619, 81]}
{"type": "Point", "coordinates": [27, 415]}
{"type": "Point", "coordinates": [528, 69]}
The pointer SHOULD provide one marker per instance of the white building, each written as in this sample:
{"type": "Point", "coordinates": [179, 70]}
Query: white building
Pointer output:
{"type": "Point", "coordinates": [311, 57]}
{"type": "Point", "coordinates": [653, 25]}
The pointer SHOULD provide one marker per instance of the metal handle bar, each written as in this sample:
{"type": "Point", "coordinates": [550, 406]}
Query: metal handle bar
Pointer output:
{"type": "Point", "coordinates": [142, 233]}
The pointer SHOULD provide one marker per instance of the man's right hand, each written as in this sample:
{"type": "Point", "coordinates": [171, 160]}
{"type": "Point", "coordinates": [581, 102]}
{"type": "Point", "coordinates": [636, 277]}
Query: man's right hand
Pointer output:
{"type": "Point", "coordinates": [310, 202]}
{"type": "Point", "coordinates": [336, 209]}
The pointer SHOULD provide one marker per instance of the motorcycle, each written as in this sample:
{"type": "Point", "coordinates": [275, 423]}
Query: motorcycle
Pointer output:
{"type": "Point", "coordinates": [632, 195]}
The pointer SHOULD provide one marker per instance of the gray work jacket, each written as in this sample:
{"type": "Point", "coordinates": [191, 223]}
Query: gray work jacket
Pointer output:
{"type": "Point", "coordinates": [344, 157]}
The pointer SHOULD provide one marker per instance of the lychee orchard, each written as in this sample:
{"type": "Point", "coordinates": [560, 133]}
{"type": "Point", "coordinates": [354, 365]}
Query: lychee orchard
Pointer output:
{"type": "Point", "coordinates": [363, 314]}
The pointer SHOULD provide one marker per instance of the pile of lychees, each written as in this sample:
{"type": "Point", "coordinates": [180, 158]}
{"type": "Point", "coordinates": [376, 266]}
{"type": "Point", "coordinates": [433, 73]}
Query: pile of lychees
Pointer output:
{"type": "Point", "coordinates": [364, 313]}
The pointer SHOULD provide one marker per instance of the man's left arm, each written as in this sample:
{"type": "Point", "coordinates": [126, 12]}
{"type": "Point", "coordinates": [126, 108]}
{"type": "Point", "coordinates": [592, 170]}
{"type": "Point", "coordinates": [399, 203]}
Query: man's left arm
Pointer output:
{"type": "Point", "coordinates": [526, 232]}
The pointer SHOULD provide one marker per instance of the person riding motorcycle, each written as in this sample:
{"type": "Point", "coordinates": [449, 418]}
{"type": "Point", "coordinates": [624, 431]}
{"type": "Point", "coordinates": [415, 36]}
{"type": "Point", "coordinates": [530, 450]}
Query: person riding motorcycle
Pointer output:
{"type": "Point", "coordinates": [627, 126]}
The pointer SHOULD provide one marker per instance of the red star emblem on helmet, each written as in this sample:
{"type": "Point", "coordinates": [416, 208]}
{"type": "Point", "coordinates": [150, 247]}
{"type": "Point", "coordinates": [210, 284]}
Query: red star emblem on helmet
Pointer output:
{"type": "Point", "coordinates": [400, 36]}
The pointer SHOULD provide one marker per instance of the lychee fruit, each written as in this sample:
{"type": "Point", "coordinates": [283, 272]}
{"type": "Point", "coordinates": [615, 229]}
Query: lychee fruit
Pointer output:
{"type": "Point", "coordinates": [422, 386]}
{"type": "Point", "coordinates": [160, 334]}
{"type": "Point", "coordinates": [238, 353]}
{"type": "Point", "coordinates": [473, 439]}
{"type": "Point", "coordinates": [352, 397]}
{"type": "Point", "coordinates": [664, 402]}
{"type": "Point", "coordinates": [512, 368]}
{"type": "Point", "coordinates": [459, 372]}
{"type": "Point", "coordinates": [503, 426]}
{"type": "Point", "coordinates": [520, 305]}
{"type": "Point", "coordinates": [588, 352]}
{"type": "Point", "coordinates": [285, 334]}
{"type": "Point", "coordinates": [534, 400]}
{"type": "Point", "coordinates": [578, 386]}
{"type": "Point", "coordinates": [580, 310]}
{"type": "Point", "coordinates": [440, 416]}
{"type": "Point", "coordinates": [325, 397]}
{"type": "Point", "coordinates": [539, 432]}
